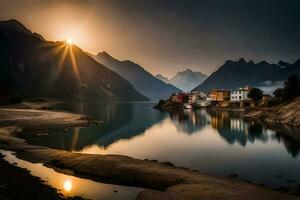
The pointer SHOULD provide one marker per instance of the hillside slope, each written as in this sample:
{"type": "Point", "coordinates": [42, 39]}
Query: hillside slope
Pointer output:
{"type": "Point", "coordinates": [142, 81]}
{"type": "Point", "coordinates": [41, 68]}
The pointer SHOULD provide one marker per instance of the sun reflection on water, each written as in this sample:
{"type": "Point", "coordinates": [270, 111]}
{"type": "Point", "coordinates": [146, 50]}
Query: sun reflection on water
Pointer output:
{"type": "Point", "coordinates": [67, 185]}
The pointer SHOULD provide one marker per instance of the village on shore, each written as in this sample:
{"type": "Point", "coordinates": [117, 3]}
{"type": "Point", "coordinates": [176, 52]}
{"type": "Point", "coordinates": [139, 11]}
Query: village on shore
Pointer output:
{"type": "Point", "coordinates": [238, 98]}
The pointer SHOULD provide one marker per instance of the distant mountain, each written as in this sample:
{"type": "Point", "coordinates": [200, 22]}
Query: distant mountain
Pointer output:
{"type": "Point", "coordinates": [234, 74]}
{"type": "Point", "coordinates": [40, 68]}
{"type": "Point", "coordinates": [187, 80]}
{"type": "Point", "coordinates": [142, 81]}
{"type": "Point", "coordinates": [162, 78]}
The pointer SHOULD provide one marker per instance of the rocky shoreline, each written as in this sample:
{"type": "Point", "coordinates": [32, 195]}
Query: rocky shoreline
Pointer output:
{"type": "Point", "coordinates": [287, 114]}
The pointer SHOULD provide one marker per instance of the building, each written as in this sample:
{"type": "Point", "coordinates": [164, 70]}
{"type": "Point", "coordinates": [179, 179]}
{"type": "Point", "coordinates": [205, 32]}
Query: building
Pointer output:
{"type": "Point", "coordinates": [240, 94]}
{"type": "Point", "coordinates": [175, 98]}
{"type": "Point", "coordinates": [220, 95]}
{"type": "Point", "coordinates": [200, 95]}
{"type": "Point", "coordinates": [192, 98]}
{"type": "Point", "coordinates": [180, 98]}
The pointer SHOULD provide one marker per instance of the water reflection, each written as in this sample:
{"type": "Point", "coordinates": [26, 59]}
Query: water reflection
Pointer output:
{"type": "Point", "coordinates": [121, 121]}
{"type": "Point", "coordinates": [73, 186]}
{"type": "Point", "coordinates": [190, 121]}
{"type": "Point", "coordinates": [67, 185]}
{"type": "Point", "coordinates": [234, 129]}
{"type": "Point", "coordinates": [211, 141]}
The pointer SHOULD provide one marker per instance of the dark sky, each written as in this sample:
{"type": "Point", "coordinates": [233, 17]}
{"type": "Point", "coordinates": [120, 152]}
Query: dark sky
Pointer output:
{"type": "Point", "coordinates": [169, 35]}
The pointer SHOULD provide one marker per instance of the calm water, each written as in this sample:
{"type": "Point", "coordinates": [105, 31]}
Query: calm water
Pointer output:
{"type": "Point", "coordinates": [220, 143]}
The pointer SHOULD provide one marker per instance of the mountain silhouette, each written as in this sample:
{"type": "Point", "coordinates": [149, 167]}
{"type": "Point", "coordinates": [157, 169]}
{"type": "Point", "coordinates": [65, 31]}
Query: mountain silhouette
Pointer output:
{"type": "Point", "coordinates": [187, 80]}
{"type": "Point", "coordinates": [142, 81]}
{"type": "Point", "coordinates": [162, 78]}
{"type": "Point", "coordinates": [234, 74]}
{"type": "Point", "coordinates": [41, 68]}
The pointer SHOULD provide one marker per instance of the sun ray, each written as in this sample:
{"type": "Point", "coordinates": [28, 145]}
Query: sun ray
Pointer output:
{"type": "Point", "coordinates": [61, 60]}
{"type": "Point", "coordinates": [74, 63]}
{"type": "Point", "coordinates": [62, 50]}
{"type": "Point", "coordinates": [75, 138]}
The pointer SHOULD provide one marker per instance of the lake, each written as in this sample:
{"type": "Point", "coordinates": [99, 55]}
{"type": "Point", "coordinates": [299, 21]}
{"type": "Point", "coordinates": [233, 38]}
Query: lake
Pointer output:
{"type": "Point", "coordinates": [221, 143]}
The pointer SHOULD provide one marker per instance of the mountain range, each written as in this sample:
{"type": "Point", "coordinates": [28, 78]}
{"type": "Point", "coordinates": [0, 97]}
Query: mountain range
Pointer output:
{"type": "Point", "coordinates": [142, 81]}
{"type": "Point", "coordinates": [32, 65]}
{"type": "Point", "coordinates": [185, 80]}
{"type": "Point", "coordinates": [234, 74]}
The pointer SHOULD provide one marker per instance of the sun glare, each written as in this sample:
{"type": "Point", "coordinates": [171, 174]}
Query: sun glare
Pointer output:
{"type": "Point", "coordinates": [67, 185]}
{"type": "Point", "coordinates": [69, 41]}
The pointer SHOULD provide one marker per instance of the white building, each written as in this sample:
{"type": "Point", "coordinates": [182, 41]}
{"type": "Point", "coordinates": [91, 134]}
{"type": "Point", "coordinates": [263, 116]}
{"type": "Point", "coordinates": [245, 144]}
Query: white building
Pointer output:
{"type": "Point", "coordinates": [240, 94]}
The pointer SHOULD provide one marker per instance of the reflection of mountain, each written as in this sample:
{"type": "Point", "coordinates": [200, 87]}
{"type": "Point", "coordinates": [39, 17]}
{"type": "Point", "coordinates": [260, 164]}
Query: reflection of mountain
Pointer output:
{"type": "Point", "coordinates": [143, 117]}
{"type": "Point", "coordinates": [121, 121]}
{"type": "Point", "coordinates": [190, 121]}
{"type": "Point", "coordinates": [291, 145]}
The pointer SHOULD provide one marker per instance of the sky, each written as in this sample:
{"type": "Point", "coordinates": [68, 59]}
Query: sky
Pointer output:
{"type": "Point", "coordinates": [166, 36]}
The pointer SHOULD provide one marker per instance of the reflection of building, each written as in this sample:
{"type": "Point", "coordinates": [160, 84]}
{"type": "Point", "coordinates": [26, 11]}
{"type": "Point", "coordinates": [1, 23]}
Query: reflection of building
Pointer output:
{"type": "Point", "coordinates": [233, 128]}
{"type": "Point", "coordinates": [190, 121]}
{"type": "Point", "coordinates": [240, 94]}
{"type": "Point", "coordinates": [220, 95]}
{"type": "Point", "coordinates": [239, 125]}
{"type": "Point", "coordinates": [219, 119]}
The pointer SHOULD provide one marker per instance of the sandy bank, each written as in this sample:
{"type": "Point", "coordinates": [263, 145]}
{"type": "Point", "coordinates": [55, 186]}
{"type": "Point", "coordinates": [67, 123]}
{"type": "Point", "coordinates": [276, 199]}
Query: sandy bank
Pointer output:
{"type": "Point", "coordinates": [22, 120]}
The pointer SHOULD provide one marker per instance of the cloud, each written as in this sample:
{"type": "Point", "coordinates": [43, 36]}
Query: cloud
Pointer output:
{"type": "Point", "coordinates": [270, 86]}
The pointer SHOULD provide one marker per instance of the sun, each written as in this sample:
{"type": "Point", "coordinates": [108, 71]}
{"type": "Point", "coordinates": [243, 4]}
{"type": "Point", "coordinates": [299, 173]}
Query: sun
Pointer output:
{"type": "Point", "coordinates": [70, 41]}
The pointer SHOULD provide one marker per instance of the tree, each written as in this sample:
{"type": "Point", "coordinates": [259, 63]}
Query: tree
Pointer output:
{"type": "Point", "coordinates": [291, 88]}
{"type": "Point", "coordinates": [256, 94]}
